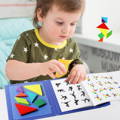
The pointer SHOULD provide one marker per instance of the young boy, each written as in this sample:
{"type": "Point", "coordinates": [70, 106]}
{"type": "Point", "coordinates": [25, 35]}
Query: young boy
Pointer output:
{"type": "Point", "coordinates": [36, 53]}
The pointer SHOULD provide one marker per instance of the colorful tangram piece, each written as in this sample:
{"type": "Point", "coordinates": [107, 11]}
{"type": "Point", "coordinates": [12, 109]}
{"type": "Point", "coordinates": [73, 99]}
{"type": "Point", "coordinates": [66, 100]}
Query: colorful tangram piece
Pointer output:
{"type": "Point", "coordinates": [40, 102]}
{"type": "Point", "coordinates": [32, 96]}
{"type": "Point", "coordinates": [109, 34]}
{"type": "Point", "coordinates": [104, 19]}
{"type": "Point", "coordinates": [21, 95]}
{"type": "Point", "coordinates": [21, 100]}
{"type": "Point", "coordinates": [34, 88]}
{"type": "Point", "coordinates": [31, 92]}
{"type": "Point", "coordinates": [20, 89]}
{"type": "Point", "coordinates": [103, 26]}
{"type": "Point", "coordinates": [66, 64]}
{"type": "Point", "coordinates": [104, 29]}
{"type": "Point", "coordinates": [25, 109]}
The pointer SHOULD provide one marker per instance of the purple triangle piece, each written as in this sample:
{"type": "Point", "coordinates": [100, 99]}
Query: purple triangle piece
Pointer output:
{"type": "Point", "coordinates": [103, 21]}
{"type": "Point", "coordinates": [20, 89]}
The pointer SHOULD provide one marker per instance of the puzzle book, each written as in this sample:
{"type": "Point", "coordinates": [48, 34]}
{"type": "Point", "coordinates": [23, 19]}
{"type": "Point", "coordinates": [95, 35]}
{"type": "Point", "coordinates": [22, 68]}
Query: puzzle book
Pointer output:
{"type": "Point", "coordinates": [33, 100]}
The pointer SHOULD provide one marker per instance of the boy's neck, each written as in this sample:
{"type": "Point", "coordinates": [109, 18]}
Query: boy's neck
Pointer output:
{"type": "Point", "coordinates": [41, 33]}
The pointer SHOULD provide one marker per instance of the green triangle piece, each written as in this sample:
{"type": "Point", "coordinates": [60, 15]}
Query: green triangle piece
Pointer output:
{"type": "Point", "coordinates": [22, 100]}
{"type": "Point", "coordinates": [100, 35]}
{"type": "Point", "coordinates": [40, 102]}
{"type": "Point", "coordinates": [34, 88]}
{"type": "Point", "coordinates": [109, 34]}
{"type": "Point", "coordinates": [32, 96]}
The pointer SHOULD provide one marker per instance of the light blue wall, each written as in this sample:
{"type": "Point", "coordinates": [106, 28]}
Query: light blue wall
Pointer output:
{"type": "Point", "coordinates": [9, 31]}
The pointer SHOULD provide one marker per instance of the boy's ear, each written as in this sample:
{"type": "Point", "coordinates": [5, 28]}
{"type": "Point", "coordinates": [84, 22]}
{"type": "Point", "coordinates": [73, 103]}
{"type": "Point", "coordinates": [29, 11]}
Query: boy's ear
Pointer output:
{"type": "Point", "coordinates": [39, 15]}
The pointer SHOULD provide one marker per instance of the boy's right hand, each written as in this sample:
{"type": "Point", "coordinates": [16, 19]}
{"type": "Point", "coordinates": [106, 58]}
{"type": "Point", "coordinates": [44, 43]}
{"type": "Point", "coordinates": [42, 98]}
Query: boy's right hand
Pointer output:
{"type": "Point", "coordinates": [51, 67]}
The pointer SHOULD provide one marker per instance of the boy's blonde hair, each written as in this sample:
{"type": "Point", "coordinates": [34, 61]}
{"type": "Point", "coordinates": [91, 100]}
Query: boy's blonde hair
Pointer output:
{"type": "Point", "coordinates": [64, 5]}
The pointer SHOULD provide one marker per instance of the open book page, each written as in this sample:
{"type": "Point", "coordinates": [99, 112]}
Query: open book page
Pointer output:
{"type": "Point", "coordinates": [102, 87]}
{"type": "Point", "coordinates": [70, 96]}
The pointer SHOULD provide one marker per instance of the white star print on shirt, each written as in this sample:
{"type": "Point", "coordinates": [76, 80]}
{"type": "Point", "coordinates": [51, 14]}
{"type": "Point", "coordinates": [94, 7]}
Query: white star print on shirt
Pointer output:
{"type": "Point", "coordinates": [63, 58]}
{"type": "Point", "coordinates": [36, 44]}
{"type": "Point", "coordinates": [27, 34]}
{"type": "Point", "coordinates": [12, 55]}
{"type": "Point", "coordinates": [56, 49]}
{"type": "Point", "coordinates": [71, 50]}
{"type": "Point", "coordinates": [25, 50]}
{"type": "Point", "coordinates": [45, 57]}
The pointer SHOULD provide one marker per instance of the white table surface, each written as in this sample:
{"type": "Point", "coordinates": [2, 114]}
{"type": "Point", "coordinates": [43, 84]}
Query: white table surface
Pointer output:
{"type": "Point", "coordinates": [111, 112]}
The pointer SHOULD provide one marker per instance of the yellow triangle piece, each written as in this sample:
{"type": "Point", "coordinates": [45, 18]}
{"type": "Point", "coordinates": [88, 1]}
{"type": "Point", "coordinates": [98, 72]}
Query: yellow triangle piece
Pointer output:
{"type": "Point", "coordinates": [34, 88]}
{"type": "Point", "coordinates": [66, 64]}
{"type": "Point", "coordinates": [104, 32]}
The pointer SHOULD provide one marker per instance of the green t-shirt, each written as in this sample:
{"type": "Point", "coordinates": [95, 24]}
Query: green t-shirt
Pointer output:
{"type": "Point", "coordinates": [30, 48]}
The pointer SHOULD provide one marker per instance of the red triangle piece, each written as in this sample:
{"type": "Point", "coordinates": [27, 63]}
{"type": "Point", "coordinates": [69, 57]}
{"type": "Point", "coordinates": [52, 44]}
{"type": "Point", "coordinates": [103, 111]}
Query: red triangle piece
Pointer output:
{"type": "Point", "coordinates": [101, 40]}
{"type": "Point", "coordinates": [25, 109]}
{"type": "Point", "coordinates": [103, 26]}
{"type": "Point", "coordinates": [21, 95]}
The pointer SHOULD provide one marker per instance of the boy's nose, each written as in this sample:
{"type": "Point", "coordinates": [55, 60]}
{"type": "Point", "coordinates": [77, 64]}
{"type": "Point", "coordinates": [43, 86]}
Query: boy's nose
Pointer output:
{"type": "Point", "coordinates": [65, 30]}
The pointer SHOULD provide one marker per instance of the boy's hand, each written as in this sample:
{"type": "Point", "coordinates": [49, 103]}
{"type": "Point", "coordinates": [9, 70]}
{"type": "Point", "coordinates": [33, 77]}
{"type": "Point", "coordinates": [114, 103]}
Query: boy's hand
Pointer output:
{"type": "Point", "coordinates": [77, 74]}
{"type": "Point", "coordinates": [51, 67]}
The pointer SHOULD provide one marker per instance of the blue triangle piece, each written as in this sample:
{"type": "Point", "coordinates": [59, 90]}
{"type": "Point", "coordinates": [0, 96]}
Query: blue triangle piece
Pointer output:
{"type": "Point", "coordinates": [31, 96]}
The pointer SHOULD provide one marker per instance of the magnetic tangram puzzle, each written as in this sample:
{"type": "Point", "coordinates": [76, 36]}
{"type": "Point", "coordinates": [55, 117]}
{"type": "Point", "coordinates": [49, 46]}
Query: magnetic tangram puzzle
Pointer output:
{"type": "Point", "coordinates": [28, 95]}
{"type": "Point", "coordinates": [105, 31]}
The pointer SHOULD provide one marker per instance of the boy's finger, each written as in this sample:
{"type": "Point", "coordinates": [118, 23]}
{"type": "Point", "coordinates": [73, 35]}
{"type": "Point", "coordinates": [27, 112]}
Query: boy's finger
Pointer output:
{"type": "Point", "coordinates": [60, 65]}
{"type": "Point", "coordinates": [76, 78]}
{"type": "Point", "coordinates": [51, 75]}
{"type": "Point", "coordinates": [72, 76]}
{"type": "Point", "coordinates": [68, 78]}
{"type": "Point", "coordinates": [55, 68]}
{"type": "Point", "coordinates": [81, 78]}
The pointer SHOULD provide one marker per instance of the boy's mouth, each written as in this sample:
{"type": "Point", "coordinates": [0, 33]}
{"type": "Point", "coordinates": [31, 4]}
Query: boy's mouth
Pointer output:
{"type": "Point", "coordinates": [63, 36]}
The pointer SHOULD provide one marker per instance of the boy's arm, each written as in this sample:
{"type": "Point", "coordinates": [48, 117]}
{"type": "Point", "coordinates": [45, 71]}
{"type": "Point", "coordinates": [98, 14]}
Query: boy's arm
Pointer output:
{"type": "Point", "coordinates": [77, 61]}
{"type": "Point", "coordinates": [16, 70]}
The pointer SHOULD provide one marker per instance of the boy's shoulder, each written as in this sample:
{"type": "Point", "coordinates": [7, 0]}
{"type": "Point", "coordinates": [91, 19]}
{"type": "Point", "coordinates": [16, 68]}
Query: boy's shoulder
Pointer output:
{"type": "Point", "coordinates": [28, 36]}
{"type": "Point", "coordinates": [71, 41]}
{"type": "Point", "coordinates": [28, 32]}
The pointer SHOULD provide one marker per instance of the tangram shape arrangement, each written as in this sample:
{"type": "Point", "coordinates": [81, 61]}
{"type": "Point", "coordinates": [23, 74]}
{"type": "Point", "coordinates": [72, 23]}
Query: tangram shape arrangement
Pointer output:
{"type": "Point", "coordinates": [27, 97]}
{"type": "Point", "coordinates": [105, 31]}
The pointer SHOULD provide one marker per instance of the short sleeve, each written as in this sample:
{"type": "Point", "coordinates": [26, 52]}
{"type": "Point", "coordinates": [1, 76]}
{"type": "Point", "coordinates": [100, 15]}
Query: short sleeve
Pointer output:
{"type": "Point", "coordinates": [76, 54]}
{"type": "Point", "coordinates": [76, 57]}
{"type": "Point", "coordinates": [20, 49]}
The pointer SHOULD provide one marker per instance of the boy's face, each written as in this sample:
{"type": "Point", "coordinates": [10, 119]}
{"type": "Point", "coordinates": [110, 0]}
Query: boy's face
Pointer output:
{"type": "Point", "coordinates": [58, 25]}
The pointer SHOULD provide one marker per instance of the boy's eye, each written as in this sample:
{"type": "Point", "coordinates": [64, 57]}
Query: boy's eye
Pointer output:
{"type": "Point", "coordinates": [59, 23]}
{"type": "Point", "coordinates": [72, 24]}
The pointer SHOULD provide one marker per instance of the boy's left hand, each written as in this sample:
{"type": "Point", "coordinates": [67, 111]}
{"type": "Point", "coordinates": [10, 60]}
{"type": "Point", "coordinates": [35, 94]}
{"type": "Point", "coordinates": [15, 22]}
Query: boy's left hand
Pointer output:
{"type": "Point", "coordinates": [77, 74]}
